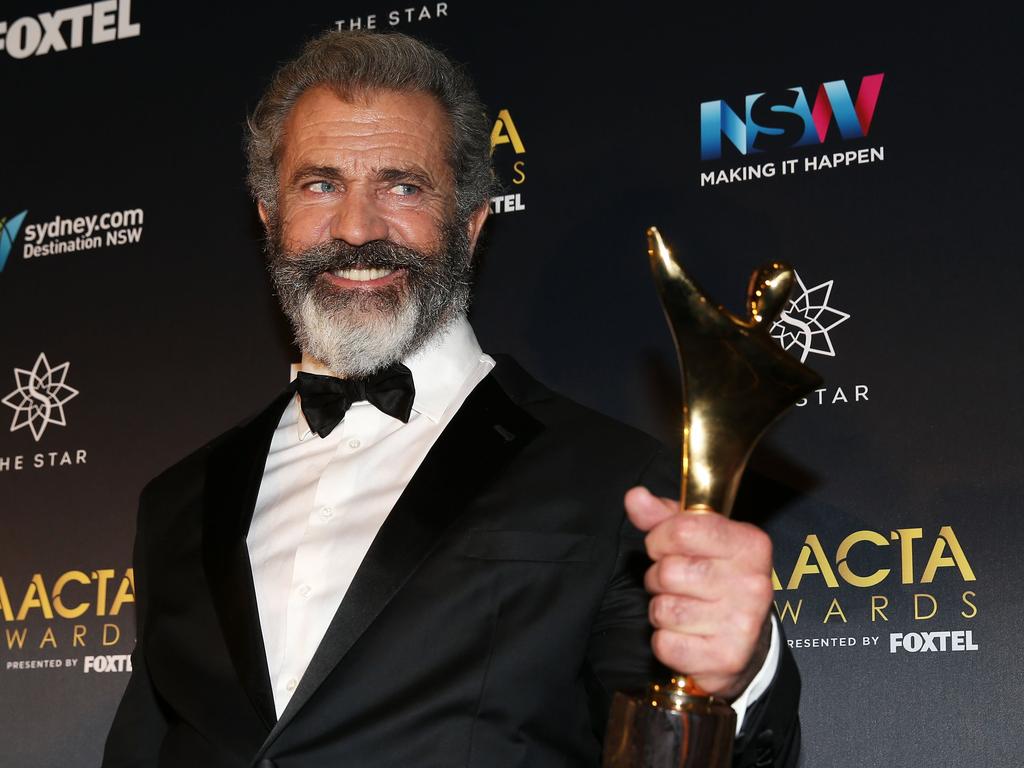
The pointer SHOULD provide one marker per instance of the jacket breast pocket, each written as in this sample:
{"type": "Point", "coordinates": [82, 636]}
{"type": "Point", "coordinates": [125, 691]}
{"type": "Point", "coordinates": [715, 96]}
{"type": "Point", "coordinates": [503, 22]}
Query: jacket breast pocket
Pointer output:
{"type": "Point", "coordinates": [527, 546]}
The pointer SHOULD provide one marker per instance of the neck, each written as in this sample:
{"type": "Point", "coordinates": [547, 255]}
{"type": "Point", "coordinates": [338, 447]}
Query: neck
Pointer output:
{"type": "Point", "coordinates": [311, 364]}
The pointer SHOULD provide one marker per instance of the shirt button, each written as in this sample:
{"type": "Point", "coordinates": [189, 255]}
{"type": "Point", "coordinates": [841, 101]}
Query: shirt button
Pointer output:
{"type": "Point", "coordinates": [354, 443]}
{"type": "Point", "coordinates": [326, 512]}
{"type": "Point", "coordinates": [292, 684]}
{"type": "Point", "coordinates": [305, 590]}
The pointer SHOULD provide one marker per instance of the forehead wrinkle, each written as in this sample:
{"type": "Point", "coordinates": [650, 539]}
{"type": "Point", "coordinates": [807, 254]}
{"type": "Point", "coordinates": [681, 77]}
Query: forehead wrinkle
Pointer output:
{"type": "Point", "coordinates": [368, 107]}
{"type": "Point", "coordinates": [369, 120]}
{"type": "Point", "coordinates": [392, 131]}
{"type": "Point", "coordinates": [377, 163]}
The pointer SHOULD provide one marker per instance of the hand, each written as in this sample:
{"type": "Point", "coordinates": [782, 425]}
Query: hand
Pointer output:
{"type": "Point", "coordinates": [712, 592]}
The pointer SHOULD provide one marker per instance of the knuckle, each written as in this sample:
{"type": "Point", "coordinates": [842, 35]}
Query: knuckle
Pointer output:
{"type": "Point", "coordinates": [681, 529]}
{"type": "Point", "coordinates": [678, 571]}
{"type": "Point", "coordinates": [700, 568]}
{"type": "Point", "coordinates": [652, 580]}
{"type": "Point", "coordinates": [668, 571]}
{"type": "Point", "coordinates": [721, 528]}
{"type": "Point", "coordinates": [651, 545]}
{"type": "Point", "coordinates": [667, 611]}
{"type": "Point", "coordinates": [748, 624]}
{"type": "Point", "coordinates": [759, 587]}
{"type": "Point", "coordinates": [666, 645]}
{"type": "Point", "coordinates": [659, 611]}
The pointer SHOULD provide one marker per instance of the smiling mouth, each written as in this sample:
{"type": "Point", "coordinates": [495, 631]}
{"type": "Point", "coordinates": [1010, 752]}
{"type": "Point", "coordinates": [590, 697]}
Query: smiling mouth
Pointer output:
{"type": "Point", "coordinates": [362, 277]}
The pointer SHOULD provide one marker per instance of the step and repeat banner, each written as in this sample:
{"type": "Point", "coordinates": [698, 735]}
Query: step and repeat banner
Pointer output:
{"type": "Point", "coordinates": [873, 149]}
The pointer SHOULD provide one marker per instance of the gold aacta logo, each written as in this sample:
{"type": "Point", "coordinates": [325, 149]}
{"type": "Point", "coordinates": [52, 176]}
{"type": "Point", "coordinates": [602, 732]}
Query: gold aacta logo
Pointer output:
{"type": "Point", "coordinates": [504, 132]}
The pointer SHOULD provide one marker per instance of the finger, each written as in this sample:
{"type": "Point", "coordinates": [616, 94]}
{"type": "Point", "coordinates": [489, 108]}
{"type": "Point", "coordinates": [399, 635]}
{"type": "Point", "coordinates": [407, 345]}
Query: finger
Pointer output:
{"type": "Point", "coordinates": [645, 510]}
{"type": "Point", "coordinates": [742, 621]}
{"type": "Point", "coordinates": [695, 577]}
{"type": "Point", "coordinates": [701, 534]}
{"type": "Point", "coordinates": [722, 664]}
{"type": "Point", "coordinates": [687, 614]}
{"type": "Point", "coordinates": [709, 579]}
{"type": "Point", "coordinates": [699, 655]}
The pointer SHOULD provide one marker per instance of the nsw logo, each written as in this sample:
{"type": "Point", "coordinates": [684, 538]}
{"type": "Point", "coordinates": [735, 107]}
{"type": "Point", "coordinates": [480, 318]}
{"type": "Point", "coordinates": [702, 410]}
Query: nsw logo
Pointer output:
{"type": "Point", "coordinates": [783, 119]}
{"type": "Point", "coordinates": [8, 232]}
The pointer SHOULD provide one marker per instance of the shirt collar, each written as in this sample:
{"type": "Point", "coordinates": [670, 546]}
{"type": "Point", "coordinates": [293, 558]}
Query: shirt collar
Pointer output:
{"type": "Point", "coordinates": [439, 368]}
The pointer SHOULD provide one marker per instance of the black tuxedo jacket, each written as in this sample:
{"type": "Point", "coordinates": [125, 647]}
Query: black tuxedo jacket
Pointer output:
{"type": "Point", "coordinates": [497, 610]}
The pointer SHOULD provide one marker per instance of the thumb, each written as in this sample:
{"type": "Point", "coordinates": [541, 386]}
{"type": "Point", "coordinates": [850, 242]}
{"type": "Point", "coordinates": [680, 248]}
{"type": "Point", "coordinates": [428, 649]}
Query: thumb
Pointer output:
{"type": "Point", "coordinates": [645, 510]}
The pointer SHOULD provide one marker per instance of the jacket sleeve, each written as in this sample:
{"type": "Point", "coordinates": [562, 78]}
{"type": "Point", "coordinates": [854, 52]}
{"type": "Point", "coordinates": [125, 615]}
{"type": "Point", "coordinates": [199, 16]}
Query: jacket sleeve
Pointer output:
{"type": "Point", "coordinates": [770, 733]}
{"type": "Point", "coordinates": [139, 725]}
{"type": "Point", "coordinates": [620, 655]}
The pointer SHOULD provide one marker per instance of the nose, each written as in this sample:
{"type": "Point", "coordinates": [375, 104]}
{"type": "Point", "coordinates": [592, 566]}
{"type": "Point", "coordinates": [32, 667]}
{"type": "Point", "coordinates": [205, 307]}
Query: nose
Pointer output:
{"type": "Point", "coordinates": [357, 220]}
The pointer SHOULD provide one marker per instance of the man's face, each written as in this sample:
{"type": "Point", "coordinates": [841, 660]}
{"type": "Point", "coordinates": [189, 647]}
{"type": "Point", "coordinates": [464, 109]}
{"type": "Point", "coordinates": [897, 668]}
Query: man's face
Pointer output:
{"type": "Point", "coordinates": [365, 250]}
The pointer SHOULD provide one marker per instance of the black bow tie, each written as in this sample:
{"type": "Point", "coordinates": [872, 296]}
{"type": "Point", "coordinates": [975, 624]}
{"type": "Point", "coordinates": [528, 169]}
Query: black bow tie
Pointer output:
{"type": "Point", "coordinates": [325, 399]}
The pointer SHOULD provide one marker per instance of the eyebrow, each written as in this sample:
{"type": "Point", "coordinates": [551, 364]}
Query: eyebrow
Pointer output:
{"type": "Point", "coordinates": [388, 175]}
{"type": "Point", "coordinates": [414, 175]}
{"type": "Point", "coordinates": [328, 172]}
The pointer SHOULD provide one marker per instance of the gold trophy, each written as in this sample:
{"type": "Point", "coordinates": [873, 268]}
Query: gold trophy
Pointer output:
{"type": "Point", "coordinates": [736, 382]}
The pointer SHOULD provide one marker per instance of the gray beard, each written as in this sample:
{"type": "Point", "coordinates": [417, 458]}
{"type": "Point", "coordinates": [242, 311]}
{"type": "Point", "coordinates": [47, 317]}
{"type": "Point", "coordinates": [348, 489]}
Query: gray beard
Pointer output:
{"type": "Point", "coordinates": [357, 332]}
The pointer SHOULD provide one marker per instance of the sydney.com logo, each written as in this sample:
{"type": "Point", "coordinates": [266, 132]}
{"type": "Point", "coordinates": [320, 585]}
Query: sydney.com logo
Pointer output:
{"type": "Point", "coordinates": [784, 119]}
{"type": "Point", "coordinates": [8, 232]}
{"type": "Point", "coordinates": [70, 234]}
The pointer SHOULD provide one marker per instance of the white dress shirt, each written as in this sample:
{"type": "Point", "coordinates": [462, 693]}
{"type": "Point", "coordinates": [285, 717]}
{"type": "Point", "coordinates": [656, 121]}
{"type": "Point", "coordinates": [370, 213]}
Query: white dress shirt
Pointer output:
{"type": "Point", "coordinates": [323, 500]}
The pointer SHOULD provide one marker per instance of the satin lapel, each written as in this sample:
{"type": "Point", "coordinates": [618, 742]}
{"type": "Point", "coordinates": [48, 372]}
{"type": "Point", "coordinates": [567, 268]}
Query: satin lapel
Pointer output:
{"type": "Point", "coordinates": [488, 430]}
{"type": "Point", "coordinates": [234, 474]}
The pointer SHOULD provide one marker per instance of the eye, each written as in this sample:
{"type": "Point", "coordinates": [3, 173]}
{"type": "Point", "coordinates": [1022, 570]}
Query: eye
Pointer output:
{"type": "Point", "coordinates": [321, 187]}
{"type": "Point", "coordinates": [405, 190]}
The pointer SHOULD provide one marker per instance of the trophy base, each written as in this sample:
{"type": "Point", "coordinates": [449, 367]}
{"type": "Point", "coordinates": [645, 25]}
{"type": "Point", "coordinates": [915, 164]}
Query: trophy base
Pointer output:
{"type": "Point", "coordinates": [670, 727]}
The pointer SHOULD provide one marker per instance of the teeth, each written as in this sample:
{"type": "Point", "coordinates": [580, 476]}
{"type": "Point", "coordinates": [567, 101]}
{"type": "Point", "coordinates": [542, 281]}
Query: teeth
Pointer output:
{"type": "Point", "coordinates": [362, 275]}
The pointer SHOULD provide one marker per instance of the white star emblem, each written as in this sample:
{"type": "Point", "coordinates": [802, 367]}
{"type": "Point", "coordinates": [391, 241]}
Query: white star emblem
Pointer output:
{"type": "Point", "coordinates": [39, 397]}
{"type": "Point", "coordinates": [806, 321]}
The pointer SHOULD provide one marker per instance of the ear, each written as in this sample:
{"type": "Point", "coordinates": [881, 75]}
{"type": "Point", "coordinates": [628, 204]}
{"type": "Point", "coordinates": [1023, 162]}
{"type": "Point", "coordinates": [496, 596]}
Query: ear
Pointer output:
{"type": "Point", "coordinates": [263, 213]}
{"type": "Point", "coordinates": [476, 224]}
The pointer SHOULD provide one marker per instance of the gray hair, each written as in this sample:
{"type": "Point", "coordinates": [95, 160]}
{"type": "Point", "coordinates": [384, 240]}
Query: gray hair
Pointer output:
{"type": "Point", "coordinates": [354, 63]}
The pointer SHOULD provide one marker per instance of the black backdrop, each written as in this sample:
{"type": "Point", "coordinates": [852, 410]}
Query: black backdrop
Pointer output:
{"type": "Point", "coordinates": [897, 487]}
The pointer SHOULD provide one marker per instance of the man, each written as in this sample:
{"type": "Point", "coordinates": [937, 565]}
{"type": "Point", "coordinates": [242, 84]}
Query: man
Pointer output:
{"type": "Point", "coordinates": [417, 555]}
